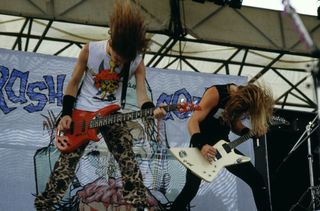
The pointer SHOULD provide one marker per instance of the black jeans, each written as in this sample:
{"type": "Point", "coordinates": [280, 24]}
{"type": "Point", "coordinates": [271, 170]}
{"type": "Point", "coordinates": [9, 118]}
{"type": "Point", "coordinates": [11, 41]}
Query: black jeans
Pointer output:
{"type": "Point", "coordinates": [245, 171]}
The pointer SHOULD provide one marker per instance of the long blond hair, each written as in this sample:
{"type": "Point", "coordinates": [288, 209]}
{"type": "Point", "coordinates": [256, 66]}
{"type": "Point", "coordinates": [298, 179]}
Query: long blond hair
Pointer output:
{"type": "Point", "coordinates": [127, 30]}
{"type": "Point", "coordinates": [257, 100]}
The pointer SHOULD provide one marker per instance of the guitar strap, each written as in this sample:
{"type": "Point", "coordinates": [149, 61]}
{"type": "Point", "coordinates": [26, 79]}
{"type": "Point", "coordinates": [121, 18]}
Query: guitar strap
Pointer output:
{"type": "Point", "coordinates": [125, 72]}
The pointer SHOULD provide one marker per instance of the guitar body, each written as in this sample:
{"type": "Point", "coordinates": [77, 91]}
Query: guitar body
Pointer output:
{"type": "Point", "coordinates": [80, 132]}
{"type": "Point", "coordinates": [192, 159]}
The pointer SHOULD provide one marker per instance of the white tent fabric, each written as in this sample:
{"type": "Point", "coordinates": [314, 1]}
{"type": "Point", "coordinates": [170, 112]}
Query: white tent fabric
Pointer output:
{"type": "Point", "coordinates": [251, 42]}
{"type": "Point", "coordinates": [254, 27]}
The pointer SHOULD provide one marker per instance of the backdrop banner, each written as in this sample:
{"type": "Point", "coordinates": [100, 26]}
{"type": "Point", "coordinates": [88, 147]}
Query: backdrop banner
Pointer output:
{"type": "Point", "coordinates": [30, 100]}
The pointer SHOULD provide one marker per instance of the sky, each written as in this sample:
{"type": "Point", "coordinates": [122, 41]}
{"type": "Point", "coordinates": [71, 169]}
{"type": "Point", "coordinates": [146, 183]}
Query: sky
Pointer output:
{"type": "Point", "coordinates": [308, 7]}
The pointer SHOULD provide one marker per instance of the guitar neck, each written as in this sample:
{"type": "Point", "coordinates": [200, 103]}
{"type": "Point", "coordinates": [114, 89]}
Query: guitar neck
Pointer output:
{"type": "Point", "coordinates": [274, 120]}
{"type": "Point", "coordinates": [240, 140]}
{"type": "Point", "coordinates": [116, 118]}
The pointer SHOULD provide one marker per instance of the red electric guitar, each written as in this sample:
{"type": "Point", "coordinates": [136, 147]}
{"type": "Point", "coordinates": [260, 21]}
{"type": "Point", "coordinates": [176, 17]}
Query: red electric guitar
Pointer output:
{"type": "Point", "coordinates": [85, 124]}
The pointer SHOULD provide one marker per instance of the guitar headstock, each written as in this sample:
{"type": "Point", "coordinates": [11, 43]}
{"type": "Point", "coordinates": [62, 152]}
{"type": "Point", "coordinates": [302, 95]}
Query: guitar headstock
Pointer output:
{"type": "Point", "coordinates": [184, 107]}
{"type": "Point", "coordinates": [277, 120]}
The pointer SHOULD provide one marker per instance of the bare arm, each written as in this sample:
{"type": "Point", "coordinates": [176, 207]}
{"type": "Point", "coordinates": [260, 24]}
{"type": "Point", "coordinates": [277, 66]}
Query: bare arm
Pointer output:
{"type": "Point", "coordinates": [142, 97]}
{"type": "Point", "coordinates": [78, 71]}
{"type": "Point", "coordinates": [73, 85]}
{"type": "Point", "coordinates": [209, 100]}
{"type": "Point", "coordinates": [140, 75]}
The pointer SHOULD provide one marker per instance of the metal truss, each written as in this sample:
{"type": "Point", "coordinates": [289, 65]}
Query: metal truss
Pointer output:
{"type": "Point", "coordinates": [183, 62]}
{"type": "Point", "coordinates": [171, 54]}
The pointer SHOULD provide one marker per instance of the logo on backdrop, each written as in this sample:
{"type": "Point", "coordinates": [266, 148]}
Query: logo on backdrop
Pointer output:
{"type": "Point", "coordinates": [181, 95]}
{"type": "Point", "coordinates": [36, 95]}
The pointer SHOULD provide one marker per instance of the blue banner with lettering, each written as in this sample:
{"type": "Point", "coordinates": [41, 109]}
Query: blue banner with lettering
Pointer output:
{"type": "Point", "coordinates": [31, 90]}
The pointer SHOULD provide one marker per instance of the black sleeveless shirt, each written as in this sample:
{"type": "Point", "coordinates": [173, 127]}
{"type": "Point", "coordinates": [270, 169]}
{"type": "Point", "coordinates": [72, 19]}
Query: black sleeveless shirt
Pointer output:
{"type": "Point", "coordinates": [212, 127]}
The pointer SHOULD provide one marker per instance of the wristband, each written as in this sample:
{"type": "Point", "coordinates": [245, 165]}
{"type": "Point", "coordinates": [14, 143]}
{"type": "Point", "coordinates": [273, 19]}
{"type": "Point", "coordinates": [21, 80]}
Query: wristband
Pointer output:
{"type": "Point", "coordinates": [147, 104]}
{"type": "Point", "coordinates": [67, 105]}
{"type": "Point", "coordinates": [198, 140]}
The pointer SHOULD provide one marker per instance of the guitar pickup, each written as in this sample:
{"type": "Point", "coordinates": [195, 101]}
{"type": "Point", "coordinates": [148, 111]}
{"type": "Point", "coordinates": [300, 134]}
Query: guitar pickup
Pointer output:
{"type": "Point", "coordinates": [226, 147]}
{"type": "Point", "coordinates": [218, 155]}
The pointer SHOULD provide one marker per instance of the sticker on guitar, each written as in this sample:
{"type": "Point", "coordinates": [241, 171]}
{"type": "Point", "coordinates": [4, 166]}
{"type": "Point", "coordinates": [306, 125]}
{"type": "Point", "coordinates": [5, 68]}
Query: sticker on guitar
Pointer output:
{"type": "Point", "coordinates": [85, 125]}
{"type": "Point", "coordinates": [192, 159]}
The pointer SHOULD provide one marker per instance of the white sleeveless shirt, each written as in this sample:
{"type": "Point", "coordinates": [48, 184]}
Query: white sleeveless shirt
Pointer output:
{"type": "Point", "coordinates": [102, 85]}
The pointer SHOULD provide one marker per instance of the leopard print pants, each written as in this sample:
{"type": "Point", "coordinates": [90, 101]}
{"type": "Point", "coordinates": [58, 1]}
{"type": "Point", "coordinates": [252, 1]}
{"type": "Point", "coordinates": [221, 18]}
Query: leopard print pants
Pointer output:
{"type": "Point", "coordinates": [119, 142]}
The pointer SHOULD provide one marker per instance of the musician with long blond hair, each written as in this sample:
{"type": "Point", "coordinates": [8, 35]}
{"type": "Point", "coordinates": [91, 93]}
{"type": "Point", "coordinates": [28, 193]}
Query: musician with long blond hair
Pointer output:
{"type": "Point", "coordinates": [223, 107]}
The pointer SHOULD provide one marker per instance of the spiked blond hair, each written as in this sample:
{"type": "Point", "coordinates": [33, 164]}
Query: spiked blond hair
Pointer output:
{"type": "Point", "coordinates": [127, 30]}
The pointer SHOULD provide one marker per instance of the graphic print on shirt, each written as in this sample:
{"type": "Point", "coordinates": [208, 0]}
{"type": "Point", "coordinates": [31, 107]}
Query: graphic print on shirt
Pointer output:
{"type": "Point", "coordinates": [107, 81]}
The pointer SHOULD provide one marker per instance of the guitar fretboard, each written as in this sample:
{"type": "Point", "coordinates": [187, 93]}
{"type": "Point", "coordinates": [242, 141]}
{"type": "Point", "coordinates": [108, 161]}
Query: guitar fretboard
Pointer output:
{"type": "Point", "coordinates": [240, 140]}
{"type": "Point", "coordinates": [275, 120]}
{"type": "Point", "coordinates": [116, 118]}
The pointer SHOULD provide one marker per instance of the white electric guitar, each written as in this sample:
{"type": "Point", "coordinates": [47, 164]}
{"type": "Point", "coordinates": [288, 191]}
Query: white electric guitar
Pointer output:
{"type": "Point", "coordinates": [192, 159]}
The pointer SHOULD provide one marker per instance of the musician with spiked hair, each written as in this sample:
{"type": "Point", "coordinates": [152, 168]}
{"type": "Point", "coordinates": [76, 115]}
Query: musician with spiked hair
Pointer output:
{"type": "Point", "coordinates": [96, 83]}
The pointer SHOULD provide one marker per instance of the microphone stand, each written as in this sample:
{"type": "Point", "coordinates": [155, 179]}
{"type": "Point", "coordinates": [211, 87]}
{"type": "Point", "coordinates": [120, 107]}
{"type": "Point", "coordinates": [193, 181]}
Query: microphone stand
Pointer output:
{"type": "Point", "coordinates": [315, 52]}
{"type": "Point", "coordinates": [313, 190]}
